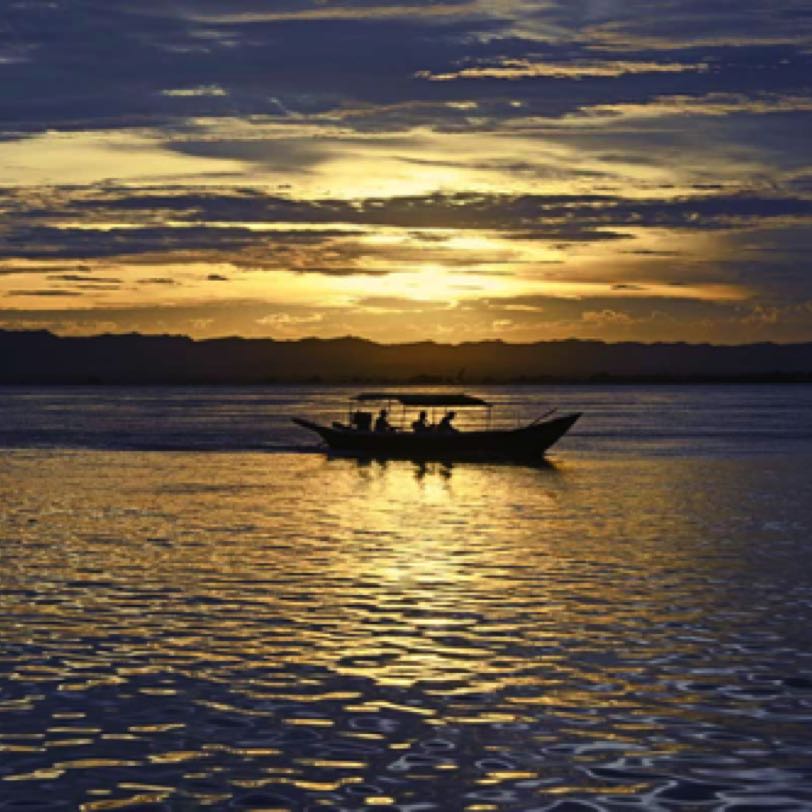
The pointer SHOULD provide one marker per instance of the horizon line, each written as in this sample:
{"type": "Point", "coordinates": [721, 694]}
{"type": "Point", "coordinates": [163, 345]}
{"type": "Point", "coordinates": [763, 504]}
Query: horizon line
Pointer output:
{"type": "Point", "coordinates": [350, 337]}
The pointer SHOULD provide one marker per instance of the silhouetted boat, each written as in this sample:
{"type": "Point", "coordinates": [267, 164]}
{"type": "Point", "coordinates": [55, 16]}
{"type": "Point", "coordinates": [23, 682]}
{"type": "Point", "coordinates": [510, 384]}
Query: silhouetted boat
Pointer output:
{"type": "Point", "coordinates": [524, 443]}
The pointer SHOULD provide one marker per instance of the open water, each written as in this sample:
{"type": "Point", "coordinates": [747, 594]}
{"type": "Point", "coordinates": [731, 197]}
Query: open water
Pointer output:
{"type": "Point", "coordinates": [200, 609]}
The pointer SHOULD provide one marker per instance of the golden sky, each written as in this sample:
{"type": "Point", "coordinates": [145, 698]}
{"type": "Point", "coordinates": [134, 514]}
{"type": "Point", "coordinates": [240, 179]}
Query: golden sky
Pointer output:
{"type": "Point", "coordinates": [456, 172]}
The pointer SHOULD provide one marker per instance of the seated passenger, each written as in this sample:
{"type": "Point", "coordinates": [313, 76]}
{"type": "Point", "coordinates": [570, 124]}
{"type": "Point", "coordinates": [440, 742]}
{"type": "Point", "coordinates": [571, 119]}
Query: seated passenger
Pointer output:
{"type": "Point", "coordinates": [382, 424]}
{"type": "Point", "coordinates": [422, 423]}
{"type": "Point", "coordinates": [361, 421]}
{"type": "Point", "coordinates": [445, 423]}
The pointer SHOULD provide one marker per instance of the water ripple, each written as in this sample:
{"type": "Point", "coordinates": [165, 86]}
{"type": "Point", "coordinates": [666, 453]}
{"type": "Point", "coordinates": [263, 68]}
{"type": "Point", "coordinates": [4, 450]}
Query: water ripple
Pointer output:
{"type": "Point", "coordinates": [249, 631]}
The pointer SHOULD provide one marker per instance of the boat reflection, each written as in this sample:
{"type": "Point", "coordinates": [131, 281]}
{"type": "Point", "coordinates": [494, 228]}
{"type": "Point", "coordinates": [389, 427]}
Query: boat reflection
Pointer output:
{"type": "Point", "coordinates": [424, 554]}
{"type": "Point", "coordinates": [423, 469]}
{"type": "Point", "coordinates": [443, 468]}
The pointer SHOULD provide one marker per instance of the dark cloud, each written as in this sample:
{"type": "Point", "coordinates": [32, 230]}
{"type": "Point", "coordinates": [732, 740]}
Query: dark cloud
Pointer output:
{"type": "Point", "coordinates": [688, 22]}
{"type": "Point", "coordinates": [260, 67]}
{"type": "Point", "coordinates": [44, 292]}
{"type": "Point", "coordinates": [283, 155]}
{"type": "Point", "coordinates": [164, 64]}
{"type": "Point", "coordinates": [34, 268]}
{"type": "Point", "coordinates": [72, 277]}
{"type": "Point", "coordinates": [561, 218]}
{"type": "Point", "coordinates": [157, 280]}
{"type": "Point", "coordinates": [688, 119]}
{"type": "Point", "coordinates": [759, 239]}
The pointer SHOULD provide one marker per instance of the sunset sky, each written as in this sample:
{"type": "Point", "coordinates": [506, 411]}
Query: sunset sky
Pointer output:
{"type": "Point", "coordinates": [454, 171]}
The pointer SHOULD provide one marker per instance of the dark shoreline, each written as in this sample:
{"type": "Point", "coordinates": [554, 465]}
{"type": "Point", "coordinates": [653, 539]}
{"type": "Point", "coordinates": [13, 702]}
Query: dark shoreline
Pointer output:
{"type": "Point", "coordinates": [597, 380]}
{"type": "Point", "coordinates": [35, 358]}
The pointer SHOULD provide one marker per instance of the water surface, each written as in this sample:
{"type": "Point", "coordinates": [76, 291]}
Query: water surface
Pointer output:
{"type": "Point", "coordinates": [200, 608]}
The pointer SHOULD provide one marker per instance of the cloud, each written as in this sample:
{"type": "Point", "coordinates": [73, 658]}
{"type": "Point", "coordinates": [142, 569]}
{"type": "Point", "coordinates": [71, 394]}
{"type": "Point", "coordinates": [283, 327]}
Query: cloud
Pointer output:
{"type": "Point", "coordinates": [601, 318]}
{"type": "Point", "coordinates": [283, 320]}
{"type": "Point", "coordinates": [367, 150]}
{"type": "Point", "coordinates": [369, 55]}
{"type": "Point", "coordinates": [399, 304]}
{"type": "Point", "coordinates": [200, 90]}
{"type": "Point", "coordinates": [679, 23]}
{"type": "Point", "coordinates": [246, 11]}
{"type": "Point", "coordinates": [43, 292]}
{"type": "Point", "coordinates": [530, 319]}
{"type": "Point", "coordinates": [513, 69]}
{"type": "Point", "coordinates": [249, 229]}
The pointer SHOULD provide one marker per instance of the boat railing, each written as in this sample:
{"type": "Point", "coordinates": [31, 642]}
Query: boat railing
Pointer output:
{"type": "Point", "coordinates": [543, 416]}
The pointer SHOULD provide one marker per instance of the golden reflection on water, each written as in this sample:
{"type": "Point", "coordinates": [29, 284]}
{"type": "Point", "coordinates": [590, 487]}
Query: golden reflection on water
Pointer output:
{"type": "Point", "coordinates": [265, 629]}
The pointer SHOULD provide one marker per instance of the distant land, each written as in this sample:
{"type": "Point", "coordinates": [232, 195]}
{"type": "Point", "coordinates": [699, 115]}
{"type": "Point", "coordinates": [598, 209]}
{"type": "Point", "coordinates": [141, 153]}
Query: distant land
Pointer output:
{"type": "Point", "coordinates": [40, 357]}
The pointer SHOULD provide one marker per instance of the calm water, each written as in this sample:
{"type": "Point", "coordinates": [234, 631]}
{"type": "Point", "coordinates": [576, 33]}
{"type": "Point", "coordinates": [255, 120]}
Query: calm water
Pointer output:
{"type": "Point", "coordinates": [200, 609]}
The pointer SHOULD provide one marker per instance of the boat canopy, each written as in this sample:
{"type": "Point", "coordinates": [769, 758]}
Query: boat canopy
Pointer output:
{"type": "Point", "coordinates": [425, 398]}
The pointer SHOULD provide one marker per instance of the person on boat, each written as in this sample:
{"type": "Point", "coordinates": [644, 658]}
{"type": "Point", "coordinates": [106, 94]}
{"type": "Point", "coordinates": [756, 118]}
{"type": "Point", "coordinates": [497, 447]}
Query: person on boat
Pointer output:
{"type": "Point", "coordinates": [422, 423]}
{"type": "Point", "coordinates": [382, 423]}
{"type": "Point", "coordinates": [445, 423]}
{"type": "Point", "coordinates": [361, 421]}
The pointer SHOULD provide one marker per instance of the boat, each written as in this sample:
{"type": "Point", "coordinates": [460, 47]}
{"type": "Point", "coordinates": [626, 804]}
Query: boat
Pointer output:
{"type": "Point", "coordinates": [525, 443]}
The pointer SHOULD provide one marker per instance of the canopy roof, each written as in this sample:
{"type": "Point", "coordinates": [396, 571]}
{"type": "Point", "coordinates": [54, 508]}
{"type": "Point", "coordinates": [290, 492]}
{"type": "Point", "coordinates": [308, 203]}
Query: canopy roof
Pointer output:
{"type": "Point", "coordinates": [425, 398]}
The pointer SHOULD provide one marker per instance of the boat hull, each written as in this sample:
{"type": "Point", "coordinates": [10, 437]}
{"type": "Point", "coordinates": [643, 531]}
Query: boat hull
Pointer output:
{"type": "Point", "coordinates": [526, 443]}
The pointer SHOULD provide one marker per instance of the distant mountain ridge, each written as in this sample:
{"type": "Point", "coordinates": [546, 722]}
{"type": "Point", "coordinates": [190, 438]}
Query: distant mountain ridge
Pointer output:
{"type": "Point", "coordinates": [42, 357]}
